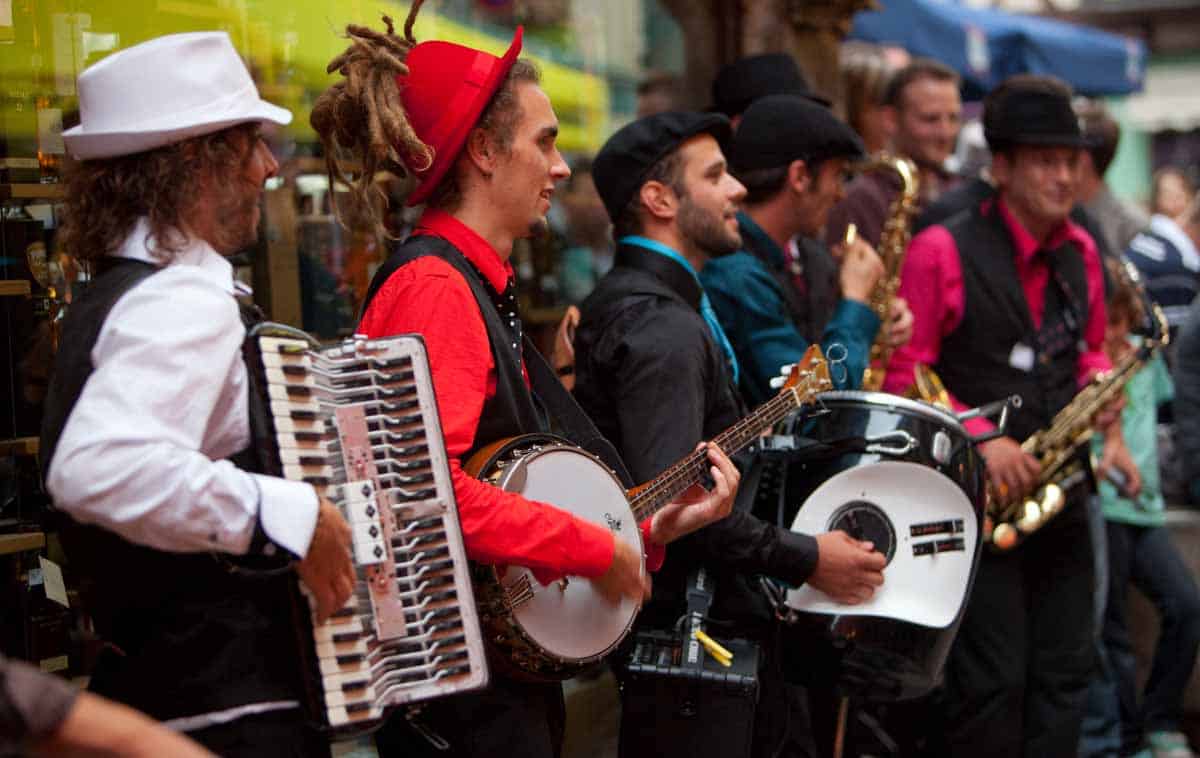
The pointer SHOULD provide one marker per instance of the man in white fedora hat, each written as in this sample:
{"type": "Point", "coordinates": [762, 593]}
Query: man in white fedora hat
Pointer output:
{"type": "Point", "coordinates": [148, 431]}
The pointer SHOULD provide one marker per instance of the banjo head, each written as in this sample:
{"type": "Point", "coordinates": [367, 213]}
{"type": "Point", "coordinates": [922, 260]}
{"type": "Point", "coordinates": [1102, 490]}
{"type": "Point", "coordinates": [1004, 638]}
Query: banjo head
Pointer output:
{"type": "Point", "coordinates": [568, 619]}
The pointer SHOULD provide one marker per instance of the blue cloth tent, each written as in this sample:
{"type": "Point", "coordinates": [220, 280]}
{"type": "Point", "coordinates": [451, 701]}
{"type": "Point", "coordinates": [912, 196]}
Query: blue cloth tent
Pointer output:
{"type": "Point", "coordinates": [987, 46]}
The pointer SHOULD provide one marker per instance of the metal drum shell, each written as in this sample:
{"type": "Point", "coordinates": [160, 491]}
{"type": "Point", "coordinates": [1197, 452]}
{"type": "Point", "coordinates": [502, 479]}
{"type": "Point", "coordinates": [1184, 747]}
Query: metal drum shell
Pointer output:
{"type": "Point", "coordinates": [878, 658]}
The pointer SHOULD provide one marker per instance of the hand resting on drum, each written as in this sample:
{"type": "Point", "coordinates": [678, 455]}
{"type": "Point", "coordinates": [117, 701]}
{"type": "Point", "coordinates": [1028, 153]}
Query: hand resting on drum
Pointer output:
{"type": "Point", "coordinates": [848, 571]}
{"type": "Point", "coordinates": [697, 507]}
{"type": "Point", "coordinates": [624, 577]}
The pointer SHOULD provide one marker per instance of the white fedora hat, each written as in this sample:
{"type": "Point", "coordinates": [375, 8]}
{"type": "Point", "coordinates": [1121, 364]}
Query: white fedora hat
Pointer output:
{"type": "Point", "coordinates": [163, 91]}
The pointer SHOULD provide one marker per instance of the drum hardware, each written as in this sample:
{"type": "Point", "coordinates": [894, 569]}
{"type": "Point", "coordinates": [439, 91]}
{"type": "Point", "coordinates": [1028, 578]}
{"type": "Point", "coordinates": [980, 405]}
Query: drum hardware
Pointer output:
{"type": "Point", "coordinates": [892, 443]}
{"type": "Point", "coordinates": [922, 504]}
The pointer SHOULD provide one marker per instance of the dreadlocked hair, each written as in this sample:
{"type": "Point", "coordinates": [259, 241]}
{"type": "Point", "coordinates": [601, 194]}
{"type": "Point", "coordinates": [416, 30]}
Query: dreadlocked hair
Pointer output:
{"type": "Point", "coordinates": [361, 118]}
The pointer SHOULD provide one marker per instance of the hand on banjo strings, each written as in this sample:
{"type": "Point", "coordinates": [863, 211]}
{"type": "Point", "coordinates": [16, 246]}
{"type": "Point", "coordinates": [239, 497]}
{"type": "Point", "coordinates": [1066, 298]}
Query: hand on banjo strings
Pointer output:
{"type": "Point", "coordinates": [848, 570]}
{"type": "Point", "coordinates": [697, 507]}
{"type": "Point", "coordinates": [1014, 472]}
{"type": "Point", "coordinates": [625, 577]}
{"type": "Point", "coordinates": [327, 570]}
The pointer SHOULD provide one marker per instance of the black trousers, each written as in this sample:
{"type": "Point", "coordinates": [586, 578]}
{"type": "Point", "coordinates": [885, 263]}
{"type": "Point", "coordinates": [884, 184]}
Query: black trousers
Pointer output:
{"type": "Point", "coordinates": [275, 734]}
{"type": "Point", "coordinates": [1017, 677]}
{"type": "Point", "coordinates": [509, 718]}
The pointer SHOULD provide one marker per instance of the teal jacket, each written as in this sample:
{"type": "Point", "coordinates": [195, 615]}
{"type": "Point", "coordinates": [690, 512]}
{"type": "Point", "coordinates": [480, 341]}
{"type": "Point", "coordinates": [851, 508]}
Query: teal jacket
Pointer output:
{"type": "Point", "coordinates": [752, 308]}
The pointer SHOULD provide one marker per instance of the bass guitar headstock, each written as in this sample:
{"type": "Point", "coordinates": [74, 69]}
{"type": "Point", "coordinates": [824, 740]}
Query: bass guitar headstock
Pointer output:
{"type": "Point", "coordinates": [808, 377]}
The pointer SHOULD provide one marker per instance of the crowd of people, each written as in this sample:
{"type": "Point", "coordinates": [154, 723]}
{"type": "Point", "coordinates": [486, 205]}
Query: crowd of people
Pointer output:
{"type": "Point", "coordinates": [709, 250]}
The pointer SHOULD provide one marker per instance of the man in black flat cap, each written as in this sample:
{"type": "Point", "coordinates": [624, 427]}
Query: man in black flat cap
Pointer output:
{"type": "Point", "coordinates": [658, 375]}
{"type": "Point", "coordinates": [1008, 298]}
{"type": "Point", "coordinates": [791, 155]}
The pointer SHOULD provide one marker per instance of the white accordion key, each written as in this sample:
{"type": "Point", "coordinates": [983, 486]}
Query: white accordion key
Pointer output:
{"type": "Point", "coordinates": [329, 630]}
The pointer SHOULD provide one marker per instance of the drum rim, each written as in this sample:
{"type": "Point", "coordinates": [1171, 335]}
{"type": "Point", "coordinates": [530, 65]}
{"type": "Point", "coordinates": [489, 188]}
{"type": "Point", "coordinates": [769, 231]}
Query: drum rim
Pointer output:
{"type": "Point", "coordinates": [896, 401]}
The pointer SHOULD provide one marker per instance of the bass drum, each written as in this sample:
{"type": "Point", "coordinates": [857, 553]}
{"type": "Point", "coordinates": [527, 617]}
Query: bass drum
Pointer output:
{"type": "Point", "coordinates": [906, 476]}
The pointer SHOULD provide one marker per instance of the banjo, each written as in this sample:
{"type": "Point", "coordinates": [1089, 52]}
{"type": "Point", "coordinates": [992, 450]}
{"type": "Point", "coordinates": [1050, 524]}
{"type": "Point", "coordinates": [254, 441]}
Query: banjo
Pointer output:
{"type": "Point", "coordinates": [551, 632]}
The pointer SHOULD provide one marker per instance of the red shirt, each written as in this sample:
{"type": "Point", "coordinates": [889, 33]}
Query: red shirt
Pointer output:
{"type": "Point", "coordinates": [429, 297]}
{"type": "Point", "coordinates": [931, 282]}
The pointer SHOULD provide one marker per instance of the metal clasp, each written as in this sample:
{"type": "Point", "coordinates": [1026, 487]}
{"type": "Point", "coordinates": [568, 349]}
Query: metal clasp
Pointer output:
{"type": "Point", "coordinates": [896, 443]}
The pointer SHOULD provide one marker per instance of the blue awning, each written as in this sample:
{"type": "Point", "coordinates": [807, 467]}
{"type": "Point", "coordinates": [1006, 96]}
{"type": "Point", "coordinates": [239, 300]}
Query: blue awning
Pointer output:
{"type": "Point", "coordinates": [987, 46]}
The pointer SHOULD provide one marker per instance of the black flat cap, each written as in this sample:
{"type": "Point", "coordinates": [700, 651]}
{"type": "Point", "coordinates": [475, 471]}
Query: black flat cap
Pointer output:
{"type": "Point", "coordinates": [742, 82]}
{"type": "Point", "coordinates": [620, 167]}
{"type": "Point", "coordinates": [779, 129]}
{"type": "Point", "coordinates": [1032, 111]}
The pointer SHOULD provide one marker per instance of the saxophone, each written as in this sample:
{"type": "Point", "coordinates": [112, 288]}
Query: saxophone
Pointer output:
{"type": "Point", "coordinates": [1054, 447]}
{"type": "Point", "coordinates": [893, 243]}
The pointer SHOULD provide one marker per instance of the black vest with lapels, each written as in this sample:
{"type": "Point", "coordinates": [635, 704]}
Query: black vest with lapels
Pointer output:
{"type": "Point", "coordinates": [190, 635]}
{"type": "Point", "coordinates": [996, 351]}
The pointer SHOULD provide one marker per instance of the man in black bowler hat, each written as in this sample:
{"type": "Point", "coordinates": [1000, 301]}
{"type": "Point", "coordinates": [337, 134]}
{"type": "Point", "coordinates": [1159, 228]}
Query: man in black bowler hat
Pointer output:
{"type": "Point", "coordinates": [657, 373]}
{"type": "Point", "coordinates": [791, 154]}
{"type": "Point", "coordinates": [1008, 298]}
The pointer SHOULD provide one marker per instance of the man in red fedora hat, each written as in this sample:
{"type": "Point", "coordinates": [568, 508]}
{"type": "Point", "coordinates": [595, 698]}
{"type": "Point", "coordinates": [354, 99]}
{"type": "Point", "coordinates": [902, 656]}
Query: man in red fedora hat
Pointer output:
{"type": "Point", "coordinates": [146, 438]}
{"type": "Point", "coordinates": [477, 134]}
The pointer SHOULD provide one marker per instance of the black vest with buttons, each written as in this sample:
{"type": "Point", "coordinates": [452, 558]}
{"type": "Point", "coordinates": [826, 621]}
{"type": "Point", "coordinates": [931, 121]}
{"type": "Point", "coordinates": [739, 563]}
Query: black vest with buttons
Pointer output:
{"type": "Point", "coordinates": [191, 635]}
{"type": "Point", "coordinates": [976, 358]}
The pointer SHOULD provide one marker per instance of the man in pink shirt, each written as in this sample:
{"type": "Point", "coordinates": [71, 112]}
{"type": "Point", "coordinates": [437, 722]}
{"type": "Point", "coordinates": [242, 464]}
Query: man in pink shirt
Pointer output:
{"type": "Point", "coordinates": [1008, 298]}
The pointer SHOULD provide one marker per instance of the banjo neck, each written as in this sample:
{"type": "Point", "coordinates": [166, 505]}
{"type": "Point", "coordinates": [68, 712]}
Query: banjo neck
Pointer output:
{"type": "Point", "coordinates": [807, 378]}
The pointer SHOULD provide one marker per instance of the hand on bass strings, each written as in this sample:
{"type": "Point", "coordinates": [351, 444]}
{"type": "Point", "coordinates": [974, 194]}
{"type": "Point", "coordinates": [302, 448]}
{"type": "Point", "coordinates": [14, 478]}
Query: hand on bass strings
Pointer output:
{"type": "Point", "coordinates": [327, 570]}
{"type": "Point", "coordinates": [625, 577]}
{"type": "Point", "coordinates": [1117, 457]}
{"type": "Point", "coordinates": [899, 324]}
{"type": "Point", "coordinates": [848, 570]}
{"type": "Point", "coordinates": [1014, 472]}
{"type": "Point", "coordinates": [860, 270]}
{"type": "Point", "coordinates": [697, 507]}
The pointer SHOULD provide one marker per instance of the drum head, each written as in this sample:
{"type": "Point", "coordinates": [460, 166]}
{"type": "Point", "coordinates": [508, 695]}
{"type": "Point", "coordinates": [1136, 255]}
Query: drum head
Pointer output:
{"type": "Point", "coordinates": [569, 619]}
{"type": "Point", "coordinates": [930, 524]}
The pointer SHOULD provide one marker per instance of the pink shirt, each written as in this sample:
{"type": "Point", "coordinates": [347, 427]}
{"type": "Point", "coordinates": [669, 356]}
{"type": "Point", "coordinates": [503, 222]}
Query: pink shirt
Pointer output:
{"type": "Point", "coordinates": [931, 282]}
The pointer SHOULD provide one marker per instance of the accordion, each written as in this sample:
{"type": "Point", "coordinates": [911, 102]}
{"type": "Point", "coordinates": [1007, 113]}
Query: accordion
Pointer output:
{"type": "Point", "coordinates": [359, 422]}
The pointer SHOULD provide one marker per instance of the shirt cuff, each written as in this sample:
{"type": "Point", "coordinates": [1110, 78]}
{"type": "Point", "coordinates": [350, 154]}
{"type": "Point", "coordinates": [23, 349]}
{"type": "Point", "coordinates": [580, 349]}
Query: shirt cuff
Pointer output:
{"type": "Point", "coordinates": [287, 514]}
{"type": "Point", "coordinates": [655, 553]}
{"type": "Point", "coordinates": [595, 550]}
{"type": "Point", "coordinates": [42, 701]}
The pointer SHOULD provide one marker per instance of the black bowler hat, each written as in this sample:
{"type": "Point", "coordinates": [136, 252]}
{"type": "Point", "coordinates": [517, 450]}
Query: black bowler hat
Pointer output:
{"type": "Point", "coordinates": [742, 82]}
{"type": "Point", "coordinates": [779, 129]}
{"type": "Point", "coordinates": [1031, 110]}
{"type": "Point", "coordinates": [620, 168]}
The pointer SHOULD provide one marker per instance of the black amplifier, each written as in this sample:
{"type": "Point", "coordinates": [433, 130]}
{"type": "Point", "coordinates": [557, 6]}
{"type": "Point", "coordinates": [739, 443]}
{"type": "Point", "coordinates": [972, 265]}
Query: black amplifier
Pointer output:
{"type": "Point", "coordinates": [677, 700]}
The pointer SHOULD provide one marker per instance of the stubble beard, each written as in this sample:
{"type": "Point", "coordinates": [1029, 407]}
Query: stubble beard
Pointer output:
{"type": "Point", "coordinates": [707, 231]}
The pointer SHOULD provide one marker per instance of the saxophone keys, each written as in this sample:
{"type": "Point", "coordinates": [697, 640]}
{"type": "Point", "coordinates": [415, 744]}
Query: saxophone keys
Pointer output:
{"type": "Point", "coordinates": [1031, 518]}
{"type": "Point", "coordinates": [1004, 536]}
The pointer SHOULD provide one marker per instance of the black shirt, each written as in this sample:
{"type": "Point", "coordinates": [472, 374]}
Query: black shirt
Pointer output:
{"type": "Point", "coordinates": [654, 380]}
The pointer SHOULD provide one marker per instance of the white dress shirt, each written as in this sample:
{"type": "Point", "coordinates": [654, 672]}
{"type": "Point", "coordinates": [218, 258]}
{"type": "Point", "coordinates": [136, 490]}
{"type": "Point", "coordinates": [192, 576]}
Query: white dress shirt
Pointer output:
{"type": "Point", "coordinates": [142, 451]}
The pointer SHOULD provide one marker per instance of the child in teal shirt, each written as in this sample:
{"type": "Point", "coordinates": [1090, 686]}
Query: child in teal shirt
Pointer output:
{"type": "Point", "coordinates": [1140, 551]}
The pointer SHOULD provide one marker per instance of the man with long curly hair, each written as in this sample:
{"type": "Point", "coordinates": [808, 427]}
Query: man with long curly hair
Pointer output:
{"type": "Point", "coordinates": [147, 432]}
{"type": "Point", "coordinates": [477, 135]}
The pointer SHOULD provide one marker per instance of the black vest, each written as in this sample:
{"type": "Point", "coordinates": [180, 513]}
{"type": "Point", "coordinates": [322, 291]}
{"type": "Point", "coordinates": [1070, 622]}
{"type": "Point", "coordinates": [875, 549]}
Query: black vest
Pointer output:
{"type": "Point", "coordinates": [976, 361]}
{"type": "Point", "coordinates": [192, 636]}
{"type": "Point", "coordinates": [514, 409]}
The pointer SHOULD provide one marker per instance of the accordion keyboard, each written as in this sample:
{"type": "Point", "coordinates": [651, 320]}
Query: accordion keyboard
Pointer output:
{"type": "Point", "coordinates": [359, 421]}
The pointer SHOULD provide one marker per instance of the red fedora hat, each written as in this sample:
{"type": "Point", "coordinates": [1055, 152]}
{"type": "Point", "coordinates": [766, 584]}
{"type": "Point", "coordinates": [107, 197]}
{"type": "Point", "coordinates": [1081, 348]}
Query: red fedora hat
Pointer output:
{"type": "Point", "coordinates": [444, 94]}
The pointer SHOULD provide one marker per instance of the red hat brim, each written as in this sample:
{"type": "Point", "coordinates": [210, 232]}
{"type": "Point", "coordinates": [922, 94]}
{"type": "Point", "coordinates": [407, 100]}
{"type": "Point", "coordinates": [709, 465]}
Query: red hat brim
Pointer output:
{"type": "Point", "coordinates": [448, 134]}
